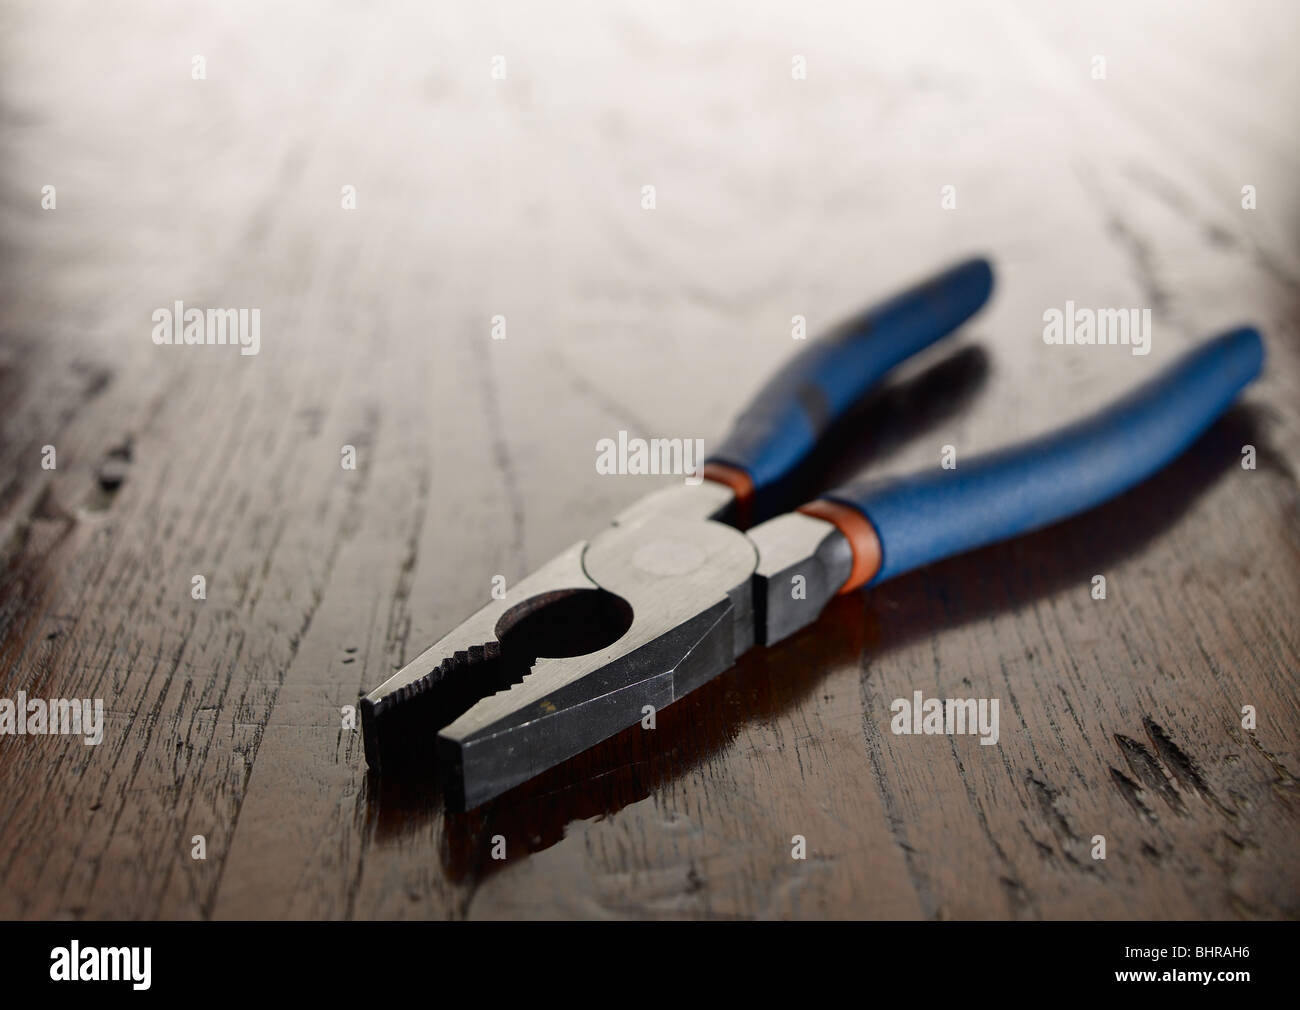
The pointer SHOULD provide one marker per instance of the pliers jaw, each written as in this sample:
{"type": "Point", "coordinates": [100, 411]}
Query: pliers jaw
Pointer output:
{"type": "Point", "coordinates": [647, 611]}
{"type": "Point", "coordinates": [400, 717]}
{"type": "Point", "coordinates": [481, 755]}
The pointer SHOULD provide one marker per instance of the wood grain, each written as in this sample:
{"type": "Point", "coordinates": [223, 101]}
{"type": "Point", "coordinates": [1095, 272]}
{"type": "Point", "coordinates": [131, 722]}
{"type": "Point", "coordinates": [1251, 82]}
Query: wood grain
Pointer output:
{"type": "Point", "coordinates": [522, 197]}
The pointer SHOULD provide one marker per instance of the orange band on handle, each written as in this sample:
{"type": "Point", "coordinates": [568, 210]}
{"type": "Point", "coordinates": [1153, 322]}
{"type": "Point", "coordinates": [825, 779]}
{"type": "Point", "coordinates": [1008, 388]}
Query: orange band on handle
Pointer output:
{"type": "Point", "coordinates": [741, 484]}
{"type": "Point", "coordinates": [859, 532]}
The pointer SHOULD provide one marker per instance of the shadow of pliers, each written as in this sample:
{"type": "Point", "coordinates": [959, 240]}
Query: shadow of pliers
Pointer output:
{"type": "Point", "coordinates": [675, 589]}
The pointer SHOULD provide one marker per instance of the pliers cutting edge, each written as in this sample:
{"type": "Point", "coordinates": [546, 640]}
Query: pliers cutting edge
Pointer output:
{"type": "Point", "coordinates": [674, 591]}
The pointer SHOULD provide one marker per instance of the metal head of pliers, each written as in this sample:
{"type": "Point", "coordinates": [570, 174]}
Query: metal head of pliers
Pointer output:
{"type": "Point", "coordinates": [656, 605]}
{"type": "Point", "coordinates": [672, 593]}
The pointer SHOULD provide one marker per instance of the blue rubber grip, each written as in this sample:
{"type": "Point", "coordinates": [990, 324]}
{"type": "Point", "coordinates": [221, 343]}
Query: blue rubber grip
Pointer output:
{"type": "Point", "coordinates": [823, 380]}
{"type": "Point", "coordinates": [938, 513]}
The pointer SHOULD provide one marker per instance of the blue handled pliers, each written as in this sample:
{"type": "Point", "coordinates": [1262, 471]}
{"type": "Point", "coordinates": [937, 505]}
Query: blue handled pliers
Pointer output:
{"type": "Point", "coordinates": [673, 591]}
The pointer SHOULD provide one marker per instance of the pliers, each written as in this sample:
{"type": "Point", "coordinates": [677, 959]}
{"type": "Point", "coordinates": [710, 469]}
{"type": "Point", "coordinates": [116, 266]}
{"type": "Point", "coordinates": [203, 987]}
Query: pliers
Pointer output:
{"type": "Point", "coordinates": [674, 590]}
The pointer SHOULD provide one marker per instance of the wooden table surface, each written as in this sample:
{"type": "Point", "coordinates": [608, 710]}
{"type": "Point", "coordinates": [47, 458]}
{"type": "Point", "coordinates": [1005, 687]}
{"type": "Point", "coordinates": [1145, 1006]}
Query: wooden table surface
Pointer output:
{"type": "Point", "coordinates": [522, 197]}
